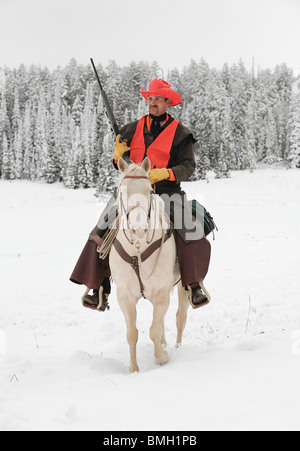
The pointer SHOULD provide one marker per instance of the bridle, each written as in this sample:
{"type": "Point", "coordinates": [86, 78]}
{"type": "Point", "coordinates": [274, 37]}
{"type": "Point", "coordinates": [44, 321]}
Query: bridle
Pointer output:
{"type": "Point", "coordinates": [136, 177]}
{"type": "Point", "coordinates": [138, 205]}
{"type": "Point", "coordinates": [136, 261]}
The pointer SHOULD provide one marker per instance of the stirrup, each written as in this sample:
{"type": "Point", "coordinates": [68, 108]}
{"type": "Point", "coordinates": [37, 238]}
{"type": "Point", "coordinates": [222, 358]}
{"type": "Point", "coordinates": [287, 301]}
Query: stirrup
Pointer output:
{"type": "Point", "coordinates": [190, 291]}
{"type": "Point", "coordinates": [102, 303]}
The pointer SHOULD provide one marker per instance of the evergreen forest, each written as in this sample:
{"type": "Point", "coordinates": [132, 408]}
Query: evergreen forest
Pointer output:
{"type": "Point", "coordinates": [53, 125]}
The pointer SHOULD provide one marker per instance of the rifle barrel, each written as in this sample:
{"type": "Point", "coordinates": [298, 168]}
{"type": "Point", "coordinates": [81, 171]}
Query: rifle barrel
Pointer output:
{"type": "Point", "coordinates": [109, 111]}
{"type": "Point", "coordinates": [96, 73]}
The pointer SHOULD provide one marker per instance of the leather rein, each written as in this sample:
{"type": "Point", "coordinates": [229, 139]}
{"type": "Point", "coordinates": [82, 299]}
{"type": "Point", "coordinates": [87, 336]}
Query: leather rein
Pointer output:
{"type": "Point", "coordinates": [135, 261]}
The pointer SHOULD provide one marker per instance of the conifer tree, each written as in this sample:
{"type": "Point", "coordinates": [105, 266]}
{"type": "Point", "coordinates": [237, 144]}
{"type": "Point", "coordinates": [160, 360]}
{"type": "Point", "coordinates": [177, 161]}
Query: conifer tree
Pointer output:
{"type": "Point", "coordinates": [226, 151]}
{"type": "Point", "coordinates": [5, 128]}
{"type": "Point", "coordinates": [284, 82]}
{"type": "Point", "coordinates": [28, 162]}
{"type": "Point", "coordinates": [107, 173]}
{"type": "Point", "coordinates": [16, 117]}
{"type": "Point", "coordinates": [88, 136]}
{"type": "Point", "coordinates": [40, 140]}
{"type": "Point", "coordinates": [294, 132]}
{"type": "Point", "coordinates": [71, 179]}
{"type": "Point", "coordinates": [7, 163]}
{"type": "Point", "coordinates": [271, 147]}
{"type": "Point", "coordinates": [18, 145]}
{"type": "Point", "coordinates": [76, 110]}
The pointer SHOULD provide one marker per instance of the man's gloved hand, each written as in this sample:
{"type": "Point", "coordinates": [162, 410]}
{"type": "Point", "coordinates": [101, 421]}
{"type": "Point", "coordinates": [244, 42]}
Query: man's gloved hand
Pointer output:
{"type": "Point", "coordinates": [120, 148]}
{"type": "Point", "coordinates": [157, 175]}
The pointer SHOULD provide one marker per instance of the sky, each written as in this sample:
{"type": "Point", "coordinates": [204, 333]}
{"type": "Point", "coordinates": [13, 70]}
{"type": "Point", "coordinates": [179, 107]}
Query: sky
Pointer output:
{"type": "Point", "coordinates": [171, 32]}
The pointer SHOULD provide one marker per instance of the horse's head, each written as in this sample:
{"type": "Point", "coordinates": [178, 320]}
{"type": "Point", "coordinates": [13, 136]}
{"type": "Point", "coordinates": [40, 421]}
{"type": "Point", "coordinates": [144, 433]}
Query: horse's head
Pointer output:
{"type": "Point", "coordinates": [135, 198]}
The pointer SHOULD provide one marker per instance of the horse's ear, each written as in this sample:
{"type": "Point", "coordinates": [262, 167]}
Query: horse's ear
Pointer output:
{"type": "Point", "coordinates": [122, 165]}
{"type": "Point", "coordinates": [146, 165]}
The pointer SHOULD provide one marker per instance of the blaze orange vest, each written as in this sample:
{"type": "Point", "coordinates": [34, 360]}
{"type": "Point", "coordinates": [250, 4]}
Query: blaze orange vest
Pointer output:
{"type": "Point", "coordinates": [158, 151]}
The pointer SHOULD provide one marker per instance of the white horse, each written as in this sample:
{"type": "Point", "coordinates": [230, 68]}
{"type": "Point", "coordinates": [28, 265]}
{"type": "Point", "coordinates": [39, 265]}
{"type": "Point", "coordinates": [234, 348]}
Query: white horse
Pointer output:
{"type": "Point", "coordinates": [143, 259]}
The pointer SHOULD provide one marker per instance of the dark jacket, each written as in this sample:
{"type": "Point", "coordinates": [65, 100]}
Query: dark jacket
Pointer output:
{"type": "Point", "coordinates": [182, 158]}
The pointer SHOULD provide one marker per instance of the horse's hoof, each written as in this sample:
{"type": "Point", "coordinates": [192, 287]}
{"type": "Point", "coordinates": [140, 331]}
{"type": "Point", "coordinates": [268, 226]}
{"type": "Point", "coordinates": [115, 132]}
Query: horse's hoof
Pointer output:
{"type": "Point", "coordinates": [134, 369]}
{"type": "Point", "coordinates": [163, 359]}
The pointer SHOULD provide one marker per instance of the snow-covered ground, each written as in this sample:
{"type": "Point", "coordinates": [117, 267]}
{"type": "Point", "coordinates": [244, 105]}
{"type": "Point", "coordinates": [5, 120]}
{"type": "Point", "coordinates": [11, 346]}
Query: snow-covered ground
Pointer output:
{"type": "Point", "coordinates": [63, 367]}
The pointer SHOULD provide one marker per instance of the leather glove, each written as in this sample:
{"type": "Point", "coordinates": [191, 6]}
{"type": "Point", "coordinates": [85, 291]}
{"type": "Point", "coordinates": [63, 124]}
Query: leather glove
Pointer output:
{"type": "Point", "coordinates": [157, 175]}
{"type": "Point", "coordinates": [120, 148]}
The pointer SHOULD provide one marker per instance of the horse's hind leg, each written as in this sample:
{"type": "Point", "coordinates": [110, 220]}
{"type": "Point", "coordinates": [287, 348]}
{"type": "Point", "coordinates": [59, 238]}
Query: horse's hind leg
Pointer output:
{"type": "Point", "coordinates": [157, 330]}
{"type": "Point", "coordinates": [129, 311]}
{"type": "Point", "coordinates": [181, 315]}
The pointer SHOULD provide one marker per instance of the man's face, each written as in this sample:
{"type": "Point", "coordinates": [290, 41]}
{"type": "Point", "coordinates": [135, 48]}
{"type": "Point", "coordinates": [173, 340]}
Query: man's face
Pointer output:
{"type": "Point", "coordinates": [158, 105]}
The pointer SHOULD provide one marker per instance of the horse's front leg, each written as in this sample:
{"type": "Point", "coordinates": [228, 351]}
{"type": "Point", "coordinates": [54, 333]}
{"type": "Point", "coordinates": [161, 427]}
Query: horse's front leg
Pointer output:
{"type": "Point", "coordinates": [157, 330]}
{"type": "Point", "coordinates": [129, 310]}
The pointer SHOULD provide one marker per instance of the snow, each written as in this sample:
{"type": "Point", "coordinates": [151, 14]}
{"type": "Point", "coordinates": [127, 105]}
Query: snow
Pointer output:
{"type": "Point", "coordinates": [65, 368]}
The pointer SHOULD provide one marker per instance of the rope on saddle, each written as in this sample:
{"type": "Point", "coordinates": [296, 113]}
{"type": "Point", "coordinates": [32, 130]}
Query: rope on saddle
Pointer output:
{"type": "Point", "coordinates": [108, 239]}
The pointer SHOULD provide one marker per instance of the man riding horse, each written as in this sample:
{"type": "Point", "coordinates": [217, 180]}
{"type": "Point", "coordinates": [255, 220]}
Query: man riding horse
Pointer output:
{"type": "Point", "coordinates": [169, 145]}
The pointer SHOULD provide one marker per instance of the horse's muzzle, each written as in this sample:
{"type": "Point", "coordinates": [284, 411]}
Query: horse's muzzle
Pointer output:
{"type": "Point", "coordinates": [140, 233]}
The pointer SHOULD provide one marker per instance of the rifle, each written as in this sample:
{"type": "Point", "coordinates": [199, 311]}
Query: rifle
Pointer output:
{"type": "Point", "coordinates": [109, 111]}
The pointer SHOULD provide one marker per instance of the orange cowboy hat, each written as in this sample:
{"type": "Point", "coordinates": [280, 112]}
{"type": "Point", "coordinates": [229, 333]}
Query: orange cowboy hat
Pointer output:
{"type": "Point", "coordinates": [159, 87]}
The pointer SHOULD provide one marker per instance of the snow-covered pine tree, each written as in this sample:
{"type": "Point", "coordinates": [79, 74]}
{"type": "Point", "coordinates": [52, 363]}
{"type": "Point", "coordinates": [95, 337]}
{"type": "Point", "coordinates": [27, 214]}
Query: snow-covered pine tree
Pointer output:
{"type": "Point", "coordinates": [174, 79]}
{"type": "Point", "coordinates": [16, 117]}
{"type": "Point", "coordinates": [219, 119]}
{"type": "Point", "coordinates": [107, 173]}
{"type": "Point", "coordinates": [226, 154]}
{"type": "Point", "coordinates": [284, 80]}
{"type": "Point", "coordinates": [239, 93]}
{"type": "Point", "coordinates": [294, 127]}
{"type": "Point", "coordinates": [18, 145]}
{"type": "Point", "coordinates": [40, 138]}
{"type": "Point", "coordinates": [271, 144]}
{"type": "Point", "coordinates": [28, 161]}
{"type": "Point", "coordinates": [7, 163]}
{"type": "Point", "coordinates": [71, 179]}
{"type": "Point", "coordinates": [88, 137]}
{"type": "Point", "coordinates": [250, 157]}
{"type": "Point", "coordinates": [76, 110]}
{"type": "Point", "coordinates": [66, 140]}
{"type": "Point", "coordinates": [56, 152]}
{"type": "Point", "coordinates": [5, 128]}
{"type": "Point", "coordinates": [251, 126]}
{"type": "Point", "coordinates": [114, 91]}
{"type": "Point", "coordinates": [75, 82]}
{"type": "Point", "coordinates": [132, 79]}
{"type": "Point", "coordinates": [197, 112]}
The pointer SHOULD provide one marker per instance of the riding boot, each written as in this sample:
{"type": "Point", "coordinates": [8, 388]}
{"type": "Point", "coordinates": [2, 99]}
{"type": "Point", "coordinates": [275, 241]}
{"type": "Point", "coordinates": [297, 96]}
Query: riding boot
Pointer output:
{"type": "Point", "coordinates": [99, 299]}
{"type": "Point", "coordinates": [198, 298]}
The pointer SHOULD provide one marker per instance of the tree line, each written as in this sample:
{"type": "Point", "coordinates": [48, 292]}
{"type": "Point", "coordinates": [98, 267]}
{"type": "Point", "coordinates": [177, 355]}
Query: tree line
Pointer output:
{"type": "Point", "coordinates": [53, 125]}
